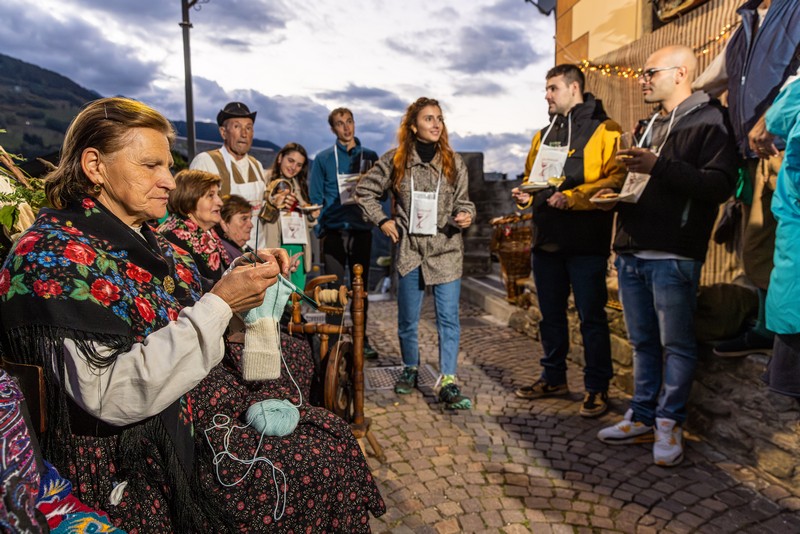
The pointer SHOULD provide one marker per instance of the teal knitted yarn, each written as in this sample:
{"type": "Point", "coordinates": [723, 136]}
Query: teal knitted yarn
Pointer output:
{"type": "Point", "coordinates": [273, 417]}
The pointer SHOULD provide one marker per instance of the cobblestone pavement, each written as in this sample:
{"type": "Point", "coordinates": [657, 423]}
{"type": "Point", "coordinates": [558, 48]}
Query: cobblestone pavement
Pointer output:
{"type": "Point", "coordinates": [513, 465]}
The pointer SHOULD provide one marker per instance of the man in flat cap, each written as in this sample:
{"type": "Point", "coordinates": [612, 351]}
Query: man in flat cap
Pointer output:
{"type": "Point", "coordinates": [240, 173]}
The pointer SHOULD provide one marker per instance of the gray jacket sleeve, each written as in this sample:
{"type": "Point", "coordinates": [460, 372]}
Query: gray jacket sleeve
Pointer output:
{"type": "Point", "coordinates": [461, 200]}
{"type": "Point", "coordinates": [372, 186]}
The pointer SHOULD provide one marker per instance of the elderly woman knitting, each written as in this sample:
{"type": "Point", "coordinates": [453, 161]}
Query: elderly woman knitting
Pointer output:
{"type": "Point", "coordinates": [116, 317]}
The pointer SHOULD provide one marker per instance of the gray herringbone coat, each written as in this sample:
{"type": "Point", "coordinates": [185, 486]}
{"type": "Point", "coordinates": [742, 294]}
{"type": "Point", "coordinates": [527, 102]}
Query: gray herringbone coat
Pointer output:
{"type": "Point", "coordinates": [440, 256]}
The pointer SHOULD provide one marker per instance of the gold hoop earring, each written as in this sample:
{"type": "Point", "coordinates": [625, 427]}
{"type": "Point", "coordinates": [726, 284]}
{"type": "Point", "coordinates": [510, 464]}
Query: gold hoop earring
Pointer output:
{"type": "Point", "coordinates": [97, 189]}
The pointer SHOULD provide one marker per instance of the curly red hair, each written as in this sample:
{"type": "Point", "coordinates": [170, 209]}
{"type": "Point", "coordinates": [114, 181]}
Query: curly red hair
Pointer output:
{"type": "Point", "coordinates": [406, 139]}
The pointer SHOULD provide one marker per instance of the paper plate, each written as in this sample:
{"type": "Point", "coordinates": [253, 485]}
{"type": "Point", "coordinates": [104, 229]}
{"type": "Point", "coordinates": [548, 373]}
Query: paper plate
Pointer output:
{"type": "Point", "coordinates": [534, 186]}
{"type": "Point", "coordinates": [617, 198]}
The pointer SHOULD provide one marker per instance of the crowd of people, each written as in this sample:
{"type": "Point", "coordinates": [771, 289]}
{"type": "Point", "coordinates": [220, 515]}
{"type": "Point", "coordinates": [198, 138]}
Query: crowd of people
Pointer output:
{"type": "Point", "coordinates": [665, 185]}
{"type": "Point", "coordinates": [132, 292]}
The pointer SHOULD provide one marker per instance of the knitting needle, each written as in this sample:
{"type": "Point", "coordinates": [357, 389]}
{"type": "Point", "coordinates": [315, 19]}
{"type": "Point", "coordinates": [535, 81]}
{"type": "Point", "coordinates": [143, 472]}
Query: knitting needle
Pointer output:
{"type": "Point", "coordinates": [311, 302]}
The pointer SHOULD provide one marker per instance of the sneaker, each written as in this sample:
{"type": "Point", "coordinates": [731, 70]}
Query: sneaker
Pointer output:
{"type": "Point", "coordinates": [595, 404]}
{"type": "Point", "coordinates": [407, 381]}
{"type": "Point", "coordinates": [668, 447]}
{"type": "Point", "coordinates": [369, 352]}
{"type": "Point", "coordinates": [748, 343]}
{"type": "Point", "coordinates": [540, 389]}
{"type": "Point", "coordinates": [451, 396]}
{"type": "Point", "coordinates": [626, 432]}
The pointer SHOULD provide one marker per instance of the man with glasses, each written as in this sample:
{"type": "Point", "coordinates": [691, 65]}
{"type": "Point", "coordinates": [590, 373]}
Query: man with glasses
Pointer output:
{"type": "Point", "coordinates": [661, 243]}
{"type": "Point", "coordinates": [345, 237]}
{"type": "Point", "coordinates": [569, 162]}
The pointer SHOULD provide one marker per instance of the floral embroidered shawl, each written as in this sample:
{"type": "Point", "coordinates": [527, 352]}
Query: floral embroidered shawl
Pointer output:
{"type": "Point", "coordinates": [205, 246]}
{"type": "Point", "coordinates": [81, 273]}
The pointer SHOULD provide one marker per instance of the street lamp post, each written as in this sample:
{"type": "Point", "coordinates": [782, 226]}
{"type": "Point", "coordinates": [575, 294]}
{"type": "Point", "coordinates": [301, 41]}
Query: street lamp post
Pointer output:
{"type": "Point", "coordinates": [187, 62]}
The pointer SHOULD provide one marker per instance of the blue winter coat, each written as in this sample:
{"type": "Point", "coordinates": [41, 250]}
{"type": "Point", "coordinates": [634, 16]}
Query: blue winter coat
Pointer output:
{"type": "Point", "coordinates": [783, 297]}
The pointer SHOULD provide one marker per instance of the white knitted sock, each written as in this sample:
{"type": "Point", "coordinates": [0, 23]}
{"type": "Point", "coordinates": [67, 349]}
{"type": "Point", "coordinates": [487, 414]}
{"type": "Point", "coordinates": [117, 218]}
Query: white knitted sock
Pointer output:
{"type": "Point", "coordinates": [261, 358]}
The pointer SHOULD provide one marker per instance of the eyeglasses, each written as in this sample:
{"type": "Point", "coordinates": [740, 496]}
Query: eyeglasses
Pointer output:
{"type": "Point", "coordinates": [648, 74]}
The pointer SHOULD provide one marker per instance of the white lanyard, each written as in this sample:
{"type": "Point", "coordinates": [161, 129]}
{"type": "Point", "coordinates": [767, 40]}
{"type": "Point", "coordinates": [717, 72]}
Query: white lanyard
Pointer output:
{"type": "Point", "coordinates": [424, 216]}
{"type": "Point", "coordinates": [336, 158]}
{"type": "Point", "coordinates": [636, 182]}
{"type": "Point", "coordinates": [569, 130]}
{"type": "Point", "coordinates": [650, 127]}
{"type": "Point", "coordinates": [346, 183]}
{"type": "Point", "coordinates": [550, 160]}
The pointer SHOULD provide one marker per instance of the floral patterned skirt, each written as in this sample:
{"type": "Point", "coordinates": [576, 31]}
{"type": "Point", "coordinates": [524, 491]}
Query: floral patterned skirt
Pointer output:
{"type": "Point", "coordinates": [328, 485]}
{"type": "Point", "coordinates": [93, 472]}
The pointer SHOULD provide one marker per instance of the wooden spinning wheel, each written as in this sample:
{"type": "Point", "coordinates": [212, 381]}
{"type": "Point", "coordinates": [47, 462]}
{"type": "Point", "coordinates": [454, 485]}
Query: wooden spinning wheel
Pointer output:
{"type": "Point", "coordinates": [344, 368]}
{"type": "Point", "coordinates": [339, 381]}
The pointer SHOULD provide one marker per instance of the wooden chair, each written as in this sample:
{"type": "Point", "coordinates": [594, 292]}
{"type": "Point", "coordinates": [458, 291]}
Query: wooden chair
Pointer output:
{"type": "Point", "coordinates": [344, 362]}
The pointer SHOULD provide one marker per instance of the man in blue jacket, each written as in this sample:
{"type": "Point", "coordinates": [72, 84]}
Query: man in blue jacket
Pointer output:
{"type": "Point", "coordinates": [345, 238]}
{"type": "Point", "coordinates": [761, 57]}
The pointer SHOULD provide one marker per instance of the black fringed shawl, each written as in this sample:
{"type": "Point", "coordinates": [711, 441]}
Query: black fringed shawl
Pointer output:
{"type": "Point", "coordinates": [81, 273]}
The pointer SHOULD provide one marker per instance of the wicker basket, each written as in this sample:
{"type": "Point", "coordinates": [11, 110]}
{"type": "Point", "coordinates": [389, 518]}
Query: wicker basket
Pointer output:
{"type": "Point", "coordinates": [511, 241]}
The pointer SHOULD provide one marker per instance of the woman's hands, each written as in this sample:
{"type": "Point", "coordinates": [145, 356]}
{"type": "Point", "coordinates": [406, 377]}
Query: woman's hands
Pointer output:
{"type": "Point", "coordinates": [284, 199]}
{"type": "Point", "coordinates": [294, 261]}
{"type": "Point", "coordinates": [389, 229]}
{"type": "Point", "coordinates": [463, 219]}
{"type": "Point", "coordinates": [246, 284]}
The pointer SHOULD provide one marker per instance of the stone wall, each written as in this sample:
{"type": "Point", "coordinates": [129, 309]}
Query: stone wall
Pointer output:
{"type": "Point", "coordinates": [491, 198]}
{"type": "Point", "coordinates": [730, 407]}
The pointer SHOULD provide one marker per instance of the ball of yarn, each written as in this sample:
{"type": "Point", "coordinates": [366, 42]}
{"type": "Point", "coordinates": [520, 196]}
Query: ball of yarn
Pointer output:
{"type": "Point", "coordinates": [273, 417]}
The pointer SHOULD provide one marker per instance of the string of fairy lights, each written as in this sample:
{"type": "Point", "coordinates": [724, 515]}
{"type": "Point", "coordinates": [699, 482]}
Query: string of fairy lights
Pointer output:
{"type": "Point", "coordinates": [622, 71]}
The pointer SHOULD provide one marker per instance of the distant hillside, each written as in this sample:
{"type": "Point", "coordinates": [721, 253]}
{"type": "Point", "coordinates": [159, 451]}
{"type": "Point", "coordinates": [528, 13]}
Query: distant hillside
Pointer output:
{"type": "Point", "coordinates": [36, 106]}
{"type": "Point", "coordinates": [209, 131]}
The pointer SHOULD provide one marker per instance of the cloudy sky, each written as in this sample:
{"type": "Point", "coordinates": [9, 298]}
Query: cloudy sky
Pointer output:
{"type": "Point", "coordinates": [292, 61]}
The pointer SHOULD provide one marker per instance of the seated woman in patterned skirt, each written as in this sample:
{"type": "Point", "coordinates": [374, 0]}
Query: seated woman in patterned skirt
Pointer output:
{"type": "Point", "coordinates": [131, 349]}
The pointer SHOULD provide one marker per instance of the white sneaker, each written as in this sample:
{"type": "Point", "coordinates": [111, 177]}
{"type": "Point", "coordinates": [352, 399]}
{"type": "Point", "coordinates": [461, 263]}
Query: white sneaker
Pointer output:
{"type": "Point", "coordinates": [668, 448]}
{"type": "Point", "coordinates": [626, 431]}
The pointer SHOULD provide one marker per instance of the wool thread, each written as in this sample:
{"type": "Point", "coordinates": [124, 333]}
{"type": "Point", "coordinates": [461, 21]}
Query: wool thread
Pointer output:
{"type": "Point", "coordinates": [273, 417]}
{"type": "Point", "coordinates": [270, 417]}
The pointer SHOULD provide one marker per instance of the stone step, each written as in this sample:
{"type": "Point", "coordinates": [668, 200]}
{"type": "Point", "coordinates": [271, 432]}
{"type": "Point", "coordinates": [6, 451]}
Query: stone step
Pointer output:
{"type": "Point", "coordinates": [477, 263]}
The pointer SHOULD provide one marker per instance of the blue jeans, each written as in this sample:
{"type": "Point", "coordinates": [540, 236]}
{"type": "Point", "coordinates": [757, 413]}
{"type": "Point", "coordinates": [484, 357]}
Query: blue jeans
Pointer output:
{"type": "Point", "coordinates": [659, 298]}
{"type": "Point", "coordinates": [409, 305]}
{"type": "Point", "coordinates": [553, 274]}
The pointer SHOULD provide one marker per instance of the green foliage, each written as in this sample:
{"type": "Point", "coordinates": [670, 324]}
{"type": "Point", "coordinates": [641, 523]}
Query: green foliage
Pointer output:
{"type": "Point", "coordinates": [24, 190]}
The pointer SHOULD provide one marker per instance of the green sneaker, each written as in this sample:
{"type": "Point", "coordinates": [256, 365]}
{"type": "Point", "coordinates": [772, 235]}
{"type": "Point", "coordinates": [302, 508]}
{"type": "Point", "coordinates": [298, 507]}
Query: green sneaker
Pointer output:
{"type": "Point", "coordinates": [369, 352]}
{"type": "Point", "coordinates": [451, 396]}
{"type": "Point", "coordinates": [407, 381]}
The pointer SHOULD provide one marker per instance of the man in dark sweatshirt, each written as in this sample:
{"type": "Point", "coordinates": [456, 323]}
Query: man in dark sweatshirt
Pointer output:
{"type": "Point", "coordinates": [661, 243]}
{"type": "Point", "coordinates": [572, 239]}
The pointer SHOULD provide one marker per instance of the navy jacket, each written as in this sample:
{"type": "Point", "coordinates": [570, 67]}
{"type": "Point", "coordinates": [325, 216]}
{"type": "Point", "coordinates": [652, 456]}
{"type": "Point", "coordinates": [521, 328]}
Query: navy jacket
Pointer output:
{"type": "Point", "coordinates": [695, 172]}
{"type": "Point", "coordinates": [758, 62]}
